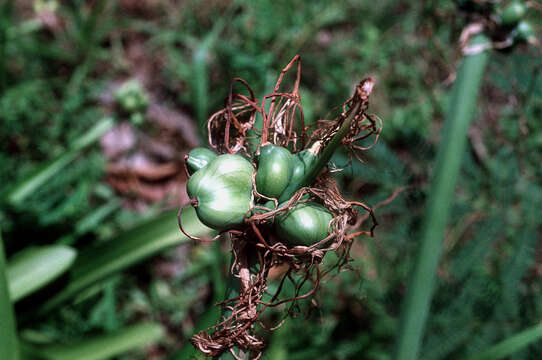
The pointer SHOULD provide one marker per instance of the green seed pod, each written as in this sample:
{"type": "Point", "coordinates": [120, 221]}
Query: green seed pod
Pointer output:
{"type": "Point", "coordinates": [223, 191]}
{"type": "Point", "coordinates": [269, 205]}
{"type": "Point", "coordinates": [305, 224]}
{"type": "Point", "coordinates": [198, 158]}
{"type": "Point", "coordinates": [302, 161]}
{"type": "Point", "coordinates": [512, 13]}
{"type": "Point", "coordinates": [523, 32]}
{"type": "Point", "coordinates": [275, 169]}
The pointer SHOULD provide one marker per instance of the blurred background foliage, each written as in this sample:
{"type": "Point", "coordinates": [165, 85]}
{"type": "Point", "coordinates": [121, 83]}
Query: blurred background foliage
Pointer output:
{"type": "Point", "coordinates": [160, 68]}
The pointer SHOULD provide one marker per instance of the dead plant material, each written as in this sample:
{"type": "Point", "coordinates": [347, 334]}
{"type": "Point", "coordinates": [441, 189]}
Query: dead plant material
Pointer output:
{"type": "Point", "coordinates": [256, 248]}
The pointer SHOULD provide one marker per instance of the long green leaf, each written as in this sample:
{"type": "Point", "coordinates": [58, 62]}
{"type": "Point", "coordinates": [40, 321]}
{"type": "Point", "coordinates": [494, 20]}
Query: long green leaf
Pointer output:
{"type": "Point", "coordinates": [511, 345]}
{"type": "Point", "coordinates": [416, 305]}
{"type": "Point", "coordinates": [126, 250]}
{"type": "Point", "coordinates": [100, 347]}
{"type": "Point", "coordinates": [8, 334]}
{"type": "Point", "coordinates": [25, 188]}
{"type": "Point", "coordinates": [199, 76]}
{"type": "Point", "coordinates": [35, 267]}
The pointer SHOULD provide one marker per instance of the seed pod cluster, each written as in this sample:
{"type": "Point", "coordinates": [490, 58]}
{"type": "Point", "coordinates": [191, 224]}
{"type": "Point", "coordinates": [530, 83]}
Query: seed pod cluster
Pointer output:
{"type": "Point", "coordinates": [221, 190]}
{"type": "Point", "coordinates": [268, 191]}
{"type": "Point", "coordinates": [511, 16]}
{"type": "Point", "coordinates": [512, 13]}
{"type": "Point", "coordinates": [506, 21]}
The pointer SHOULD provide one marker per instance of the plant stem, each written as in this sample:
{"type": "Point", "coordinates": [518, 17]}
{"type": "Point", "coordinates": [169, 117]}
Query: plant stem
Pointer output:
{"type": "Point", "coordinates": [8, 332]}
{"type": "Point", "coordinates": [416, 305]}
{"type": "Point", "coordinates": [324, 156]}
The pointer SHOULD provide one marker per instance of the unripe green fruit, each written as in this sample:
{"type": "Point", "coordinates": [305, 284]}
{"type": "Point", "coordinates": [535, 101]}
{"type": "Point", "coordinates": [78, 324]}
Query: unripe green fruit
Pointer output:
{"type": "Point", "coordinates": [524, 31]}
{"type": "Point", "coordinates": [269, 205]}
{"type": "Point", "coordinates": [223, 191]}
{"type": "Point", "coordinates": [302, 161]}
{"type": "Point", "coordinates": [512, 13]}
{"type": "Point", "coordinates": [305, 224]}
{"type": "Point", "coordinates": [198, 158]}
{"type": "Point", "coordinates": [275, 169]}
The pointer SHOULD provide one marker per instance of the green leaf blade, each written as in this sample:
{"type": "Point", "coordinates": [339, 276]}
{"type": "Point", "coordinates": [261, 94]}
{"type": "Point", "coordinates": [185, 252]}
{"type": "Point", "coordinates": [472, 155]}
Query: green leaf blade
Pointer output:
{"type": "Point", "coordinates": [415, 308]}
{"type": "Point", "coordinates": [35, 267]}
{"type": "Point", "coordinates": [19, 192]}
{"type": "Point", "coordinates": [8, 333]}
{"type": "Point", "coordinates": [105, 346]}
{"type": "Point", "coordinates": [126, 250]}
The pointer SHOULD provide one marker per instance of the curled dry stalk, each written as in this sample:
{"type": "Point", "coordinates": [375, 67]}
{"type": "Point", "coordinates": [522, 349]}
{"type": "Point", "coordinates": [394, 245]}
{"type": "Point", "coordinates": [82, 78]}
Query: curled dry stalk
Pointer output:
{"type": "Point", "coordinates": [255, 247]}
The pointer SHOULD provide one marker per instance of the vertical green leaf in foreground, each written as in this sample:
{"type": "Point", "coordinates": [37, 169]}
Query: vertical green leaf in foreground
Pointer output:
{"type": "Point", "coordinates": [8, 334]}
{"type": "Point", "coordinates": [448, 162]}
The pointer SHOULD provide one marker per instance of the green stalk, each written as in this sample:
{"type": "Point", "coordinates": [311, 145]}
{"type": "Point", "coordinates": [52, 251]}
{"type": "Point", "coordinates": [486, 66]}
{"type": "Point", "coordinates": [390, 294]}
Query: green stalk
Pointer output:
{"type": "Point", "coordinates": [8, 333]}
{"type": "Point", "coordinates": [323, 157]}
{"type": "Point", "coordinates": [25, 188]}
{"type": "Point", "coordinates": [511, 345]}
{"type": "Point", "coordinates": [416, 305]}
